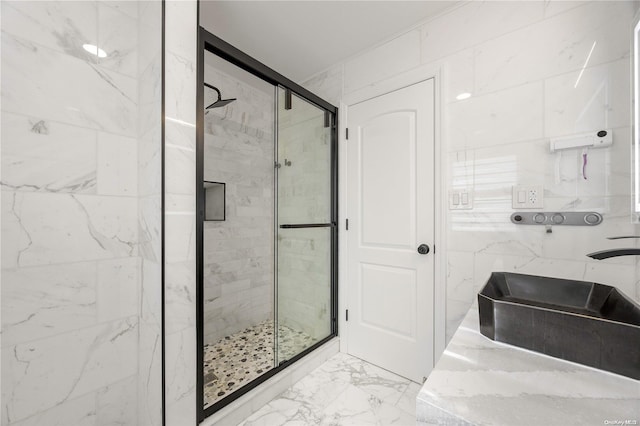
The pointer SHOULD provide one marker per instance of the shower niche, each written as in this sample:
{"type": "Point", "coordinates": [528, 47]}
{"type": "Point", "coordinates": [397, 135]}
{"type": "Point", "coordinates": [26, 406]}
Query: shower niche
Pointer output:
{"type": "Point", "coordinates": [214, 201]}
{"type": "Point", "coordinates": [267, 233]}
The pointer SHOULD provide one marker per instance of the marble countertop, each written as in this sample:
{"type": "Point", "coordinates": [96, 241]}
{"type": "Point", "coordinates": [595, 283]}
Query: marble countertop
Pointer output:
{"type": "Point", "coordinates": [479, 381]}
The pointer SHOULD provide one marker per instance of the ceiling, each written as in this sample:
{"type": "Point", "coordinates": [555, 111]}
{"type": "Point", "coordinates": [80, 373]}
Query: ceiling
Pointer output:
{"type": "Point", "coordinates": [301, 38]}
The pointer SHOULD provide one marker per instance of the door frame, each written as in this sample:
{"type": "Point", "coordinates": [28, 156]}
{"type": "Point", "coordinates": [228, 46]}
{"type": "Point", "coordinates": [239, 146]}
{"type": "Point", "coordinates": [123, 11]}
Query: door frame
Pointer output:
{"type": "Point", "coordinates": [401, 81]}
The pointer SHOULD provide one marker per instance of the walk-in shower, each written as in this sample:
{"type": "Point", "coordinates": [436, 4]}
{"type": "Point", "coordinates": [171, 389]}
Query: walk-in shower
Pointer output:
{"type": "Point", "coordinates": [267, 240]}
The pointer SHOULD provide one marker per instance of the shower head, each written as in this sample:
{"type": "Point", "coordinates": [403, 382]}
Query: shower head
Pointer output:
{"type": "Point", "coordinates": [220, 102]}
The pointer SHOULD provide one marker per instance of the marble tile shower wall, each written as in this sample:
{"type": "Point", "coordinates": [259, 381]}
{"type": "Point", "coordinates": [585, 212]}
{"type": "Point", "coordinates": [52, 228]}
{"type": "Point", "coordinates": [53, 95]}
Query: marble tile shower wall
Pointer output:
{"type": "Point", "coordinates": [70, 265]}
{"type": "Point", "coordinates": [304, 195]}
{"type": "Point", "coordinates": [535, 70]}
{"type": "Point", "coordinates": [238, 252]}
{"type": "Point", "coordinates": [181, 23]}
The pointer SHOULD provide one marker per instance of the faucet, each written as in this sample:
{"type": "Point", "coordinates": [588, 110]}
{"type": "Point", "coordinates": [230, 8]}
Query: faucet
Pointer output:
{"type": "Point", "coordinates": [605, 254]}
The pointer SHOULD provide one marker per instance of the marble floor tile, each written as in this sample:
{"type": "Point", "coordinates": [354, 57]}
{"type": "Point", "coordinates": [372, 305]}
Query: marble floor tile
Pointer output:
{"type": "Point", "coordinates": [407, 402]}
{"type": "Point", "coordinates": [343, 391]}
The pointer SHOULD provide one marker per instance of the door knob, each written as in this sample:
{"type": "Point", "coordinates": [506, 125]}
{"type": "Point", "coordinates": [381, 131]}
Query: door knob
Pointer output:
{"type": "Point", "coordinates": [423, 249]}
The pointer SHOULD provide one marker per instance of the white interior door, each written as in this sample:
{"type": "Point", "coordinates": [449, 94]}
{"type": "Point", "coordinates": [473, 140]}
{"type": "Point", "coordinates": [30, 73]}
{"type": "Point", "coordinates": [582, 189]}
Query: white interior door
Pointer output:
{"type": "Point", "coordinates": [390, 207]}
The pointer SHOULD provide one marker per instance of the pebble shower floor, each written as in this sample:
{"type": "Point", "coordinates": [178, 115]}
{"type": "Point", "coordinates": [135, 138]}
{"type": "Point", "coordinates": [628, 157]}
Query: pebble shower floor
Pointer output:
{"type": "Point", "coordinates": [237, 359]}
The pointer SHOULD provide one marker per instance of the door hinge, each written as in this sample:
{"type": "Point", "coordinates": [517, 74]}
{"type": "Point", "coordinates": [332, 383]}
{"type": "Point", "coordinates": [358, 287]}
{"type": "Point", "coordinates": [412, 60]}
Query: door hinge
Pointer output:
{"type": "Point", "coordinates": [346, 224]}
{"type": "Point", "coordinates": [347, 315]}
{"type": "Point", "coordinates": [347, 132]}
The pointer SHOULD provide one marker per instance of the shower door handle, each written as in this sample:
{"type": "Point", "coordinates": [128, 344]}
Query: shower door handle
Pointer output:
{"type": "Point", "coordinates": [308, 225]}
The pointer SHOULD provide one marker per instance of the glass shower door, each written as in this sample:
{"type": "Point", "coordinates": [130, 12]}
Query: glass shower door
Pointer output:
{"type": "Point", "coordinates": [237, 262]}
{"type": "Point", "coordinates": [303, 225]}
{"type": "Point", "coordinates": [266, 237]}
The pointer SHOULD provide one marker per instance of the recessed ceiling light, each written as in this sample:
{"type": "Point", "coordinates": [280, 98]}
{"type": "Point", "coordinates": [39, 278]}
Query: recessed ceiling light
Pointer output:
{"type": "Point", "coordinates": [462, 96]}
{"type": "Point", "coordinates": [94, 50]}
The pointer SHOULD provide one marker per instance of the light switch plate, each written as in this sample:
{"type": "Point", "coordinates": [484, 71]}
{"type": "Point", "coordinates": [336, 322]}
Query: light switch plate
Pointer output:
{"type": "Point", "coordinates": [528, 197]}
{"type": "Point", "coordinates": [461, 199]}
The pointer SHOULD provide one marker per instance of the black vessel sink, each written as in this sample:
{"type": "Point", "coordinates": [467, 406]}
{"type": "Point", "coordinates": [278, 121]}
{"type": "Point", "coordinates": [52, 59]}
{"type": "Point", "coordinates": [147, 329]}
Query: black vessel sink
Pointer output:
{"type": "Point", "coordinates": [583, 322]}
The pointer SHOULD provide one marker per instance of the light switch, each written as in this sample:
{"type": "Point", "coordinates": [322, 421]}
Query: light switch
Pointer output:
{"type": "Point", "coordinates": [522, 196]}
{"type": "Point", "coordinates": [461, 199]}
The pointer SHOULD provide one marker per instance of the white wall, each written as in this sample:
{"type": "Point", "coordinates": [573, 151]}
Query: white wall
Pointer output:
{"type": "Point", "coordinates": [522, 62]}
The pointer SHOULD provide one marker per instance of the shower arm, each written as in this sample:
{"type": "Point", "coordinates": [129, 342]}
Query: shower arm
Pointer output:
{"type": "Point", "coordinates": [214, 88]}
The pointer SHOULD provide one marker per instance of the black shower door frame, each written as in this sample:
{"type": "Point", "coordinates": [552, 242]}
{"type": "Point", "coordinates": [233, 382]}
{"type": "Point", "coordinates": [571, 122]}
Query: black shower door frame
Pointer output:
{"type": "Point", "coordinates": [208, 42]}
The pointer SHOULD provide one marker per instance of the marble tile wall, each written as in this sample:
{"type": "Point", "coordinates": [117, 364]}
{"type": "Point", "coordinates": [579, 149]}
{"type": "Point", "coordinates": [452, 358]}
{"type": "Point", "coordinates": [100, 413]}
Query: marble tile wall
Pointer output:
{"type": "Point", "coordinates": [149, 383]}
{"type": "Point", "coordinates": [181, 22]}
{"type": "Point", "coordinates": [238, 252]}
{"type": "Point", "coordinates": [535, 70]}
{"type": "Point", "coordinates": [70, 225]}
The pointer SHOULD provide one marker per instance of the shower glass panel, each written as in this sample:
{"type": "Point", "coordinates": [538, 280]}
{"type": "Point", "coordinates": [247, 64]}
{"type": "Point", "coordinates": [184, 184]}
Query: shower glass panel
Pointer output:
{"type": "Point", "coordinates": [238, 250]}
{"type": "Point", "coordinates": [304, 227]}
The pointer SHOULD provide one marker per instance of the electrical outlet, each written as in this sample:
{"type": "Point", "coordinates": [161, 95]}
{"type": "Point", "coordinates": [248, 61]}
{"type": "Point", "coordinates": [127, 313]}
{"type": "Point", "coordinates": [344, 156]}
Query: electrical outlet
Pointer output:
{"type": "Point", "coordinates": [528, 197]}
